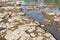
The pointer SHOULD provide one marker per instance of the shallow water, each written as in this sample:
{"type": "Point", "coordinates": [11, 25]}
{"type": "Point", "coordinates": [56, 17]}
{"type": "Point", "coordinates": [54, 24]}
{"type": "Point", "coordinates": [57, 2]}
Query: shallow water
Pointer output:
{"type": "Point", "coordinates": [37, 15]}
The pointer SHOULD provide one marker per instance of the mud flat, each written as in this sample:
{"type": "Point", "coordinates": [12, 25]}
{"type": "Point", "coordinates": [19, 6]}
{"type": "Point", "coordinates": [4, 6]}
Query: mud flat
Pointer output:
{"type": "Point", "coordinates": [18, 26]}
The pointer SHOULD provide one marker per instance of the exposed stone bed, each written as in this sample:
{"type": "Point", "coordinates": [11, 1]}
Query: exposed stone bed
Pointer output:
{"type": "Point", "coordinates": [50, 18]}
{"type": "Point", "coordinates": [18, 26]}
{"type": "Point", "coordinates": [10, 9]}
{"type": "Point", "coordinates": [36, 7]}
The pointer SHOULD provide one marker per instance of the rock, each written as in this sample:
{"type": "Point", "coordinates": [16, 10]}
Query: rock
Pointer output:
{"type": "Point", "coordinates": [39, 38]}
{"type": "Point", "coordinates": [41, 7]}
{"type": "Point", "coordinates": [29, 8]}
{"type": "Point", "coordinates": [1, 38]}
{"type": "Point", "coordinates": [51, 13]}
{"type": "Point", "coordinates": [34, 7]}
{"type": "Point", "coordinates": [18, 3]}
{"type": "Point", "coordinates": [47, 34]}
{"type": "Point", "coordinates": [1, 20]}
{"type": "Point", "coordinates": [57, 14]}
{"type": "Point", "coordinates": [11, 9]}
{"type": "Point", "coordinates": [52, 38]}
{"type": "Point", "coordinates": [40, 34]}
{"type": "Point", "coordinates": [20, 13]}
{"type": "Point", "coordinates": [38, 30]}
{"type": "Point", "coordinates": [51, 7]}
{"type": "Point", "coordinates": [48, 15]}
{"type": "Point", "coordinates": [21, 27]}
{"type": "Point", "coordinates": [32, 34]}
{"type": "Point", "coordinates": [31, 29]}
{"type": "Point", "coordinates": [25, 37]}
{"type": "Point", "coordinates": [43, 26]}
{"type": "Point", "coordinates": [57, 19]}
{"type": "Point", "coordinates": [2, 28]}
{"type": "Point", "coordinates": [47, 22]}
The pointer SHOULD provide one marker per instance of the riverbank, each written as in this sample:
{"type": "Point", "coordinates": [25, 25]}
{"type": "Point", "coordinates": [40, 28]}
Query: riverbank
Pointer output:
{"type": "Point", "coordinates": [18, 26]}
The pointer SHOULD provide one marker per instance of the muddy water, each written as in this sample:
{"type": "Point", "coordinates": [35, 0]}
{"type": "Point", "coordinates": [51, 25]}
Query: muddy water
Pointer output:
{"type": "Point", "coordinates": [37, 15]}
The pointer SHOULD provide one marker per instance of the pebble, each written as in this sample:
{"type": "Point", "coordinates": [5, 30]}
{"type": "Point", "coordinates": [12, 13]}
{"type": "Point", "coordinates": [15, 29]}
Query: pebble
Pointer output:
{"type": "Point", "coordinates": [1, 19]}
{"type": "Point", "coordinates": [57, 19]}
{"type": "Point", "coordinates": [42, 25]}
{"type": "Point", "coordinates": [32, 34]}
{"type": "Point", "coordinates": [47, 34]}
